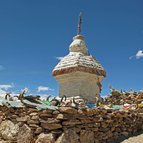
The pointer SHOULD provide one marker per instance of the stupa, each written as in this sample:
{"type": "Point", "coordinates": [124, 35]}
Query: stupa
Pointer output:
{"type": "Point", "coordinates": [79, 73]}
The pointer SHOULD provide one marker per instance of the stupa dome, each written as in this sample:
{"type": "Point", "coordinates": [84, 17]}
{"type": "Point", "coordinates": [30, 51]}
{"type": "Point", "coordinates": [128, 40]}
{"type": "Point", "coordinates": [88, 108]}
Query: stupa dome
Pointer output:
{"type": "Point", "coordinates": [78, 45]}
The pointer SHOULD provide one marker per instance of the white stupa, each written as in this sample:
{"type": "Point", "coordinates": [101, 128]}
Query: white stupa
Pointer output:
{"type": "Point", "coordinates": [78, 73]}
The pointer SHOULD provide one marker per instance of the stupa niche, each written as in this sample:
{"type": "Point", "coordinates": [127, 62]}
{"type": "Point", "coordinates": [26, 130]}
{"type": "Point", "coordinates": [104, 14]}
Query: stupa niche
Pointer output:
{"type": "Point", "coordinates": [78, 73]}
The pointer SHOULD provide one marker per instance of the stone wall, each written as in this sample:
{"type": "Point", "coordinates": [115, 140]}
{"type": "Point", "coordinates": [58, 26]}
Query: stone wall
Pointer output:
{"type": "Point", "coordinates": [67, 125]}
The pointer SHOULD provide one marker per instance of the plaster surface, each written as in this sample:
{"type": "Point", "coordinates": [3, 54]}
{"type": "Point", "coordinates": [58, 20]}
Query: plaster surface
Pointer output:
{"type": "Point", "coordinates": [79, 84]}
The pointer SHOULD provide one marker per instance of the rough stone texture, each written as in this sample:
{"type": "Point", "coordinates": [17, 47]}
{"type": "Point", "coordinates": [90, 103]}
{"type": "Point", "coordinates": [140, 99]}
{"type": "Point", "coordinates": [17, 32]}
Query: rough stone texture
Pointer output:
{"type": "Point", "coordinates": [135, 139]}
{"type": "Point", "coordinates": [45, 138]}
{"type": "Point", "coordinates": [23, 119]}
{"type": "Point", "coordinates": [70, 125]}
{"type": "Point", "coordinates": [1, 118]}
{"type": "Point", "coordinates": [25, 135]}
{"type": "Point", "coordinates": [120, 98]}
{"type": "Point", "coordinates": [8, 130]}
{"type": "Point", "coordinates": [51, 126]}
{"type": "Point", "coordinates": [2, 141]}
{"type": "Point", "coordinates": [38, 130]}
{"type": "Point", "coordinates": [86, 136]}
{"type": "Point", "coordinates": [67, 110]}
{"type": "Point", "coordinates": [69, 136]}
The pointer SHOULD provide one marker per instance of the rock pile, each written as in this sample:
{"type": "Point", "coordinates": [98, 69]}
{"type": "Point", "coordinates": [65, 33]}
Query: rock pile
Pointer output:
{"type": "Point", "coordinates": [120, 98]}
{"type": "Point", "coordinates": [67, 125]}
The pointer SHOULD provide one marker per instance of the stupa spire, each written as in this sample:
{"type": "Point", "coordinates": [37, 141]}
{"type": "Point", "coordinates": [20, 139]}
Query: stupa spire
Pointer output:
{"type": "Point", "coordinates": [78, 44]}
{"type": "Point", "coordinates": [79, 24]}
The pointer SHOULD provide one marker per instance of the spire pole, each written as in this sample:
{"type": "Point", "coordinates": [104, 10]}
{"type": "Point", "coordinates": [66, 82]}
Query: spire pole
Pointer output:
{"type": "Point", "coordinates": [79, 24]}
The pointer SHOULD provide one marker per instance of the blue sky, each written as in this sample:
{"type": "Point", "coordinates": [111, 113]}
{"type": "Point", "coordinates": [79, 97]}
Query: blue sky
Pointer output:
{"type": "Point", "coordinates": [33, 33]}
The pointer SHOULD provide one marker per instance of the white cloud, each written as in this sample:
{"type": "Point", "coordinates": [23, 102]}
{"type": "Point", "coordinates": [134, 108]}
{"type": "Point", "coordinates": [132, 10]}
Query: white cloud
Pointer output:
{"type": "Point", "coordinates": [138, 55]}
{"type": "Point", "coordinates": [1, 68]}
{"type": "Point", "coordinates": [6, 86]}
{"type": "Point", "coordinates": [59, 58]}
{"type": "Point", "coordinates": [131, 57]}
{"type": "Point", "coordinates": [44, 88]}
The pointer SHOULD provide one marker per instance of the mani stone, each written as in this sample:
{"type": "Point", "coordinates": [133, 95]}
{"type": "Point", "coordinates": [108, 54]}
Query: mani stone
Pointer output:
{"type": "Point", "coordinates": [79, 73]}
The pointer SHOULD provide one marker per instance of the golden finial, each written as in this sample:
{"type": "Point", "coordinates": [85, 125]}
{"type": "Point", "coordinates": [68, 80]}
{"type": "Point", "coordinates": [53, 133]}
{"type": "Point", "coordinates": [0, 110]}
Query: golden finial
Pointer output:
{"type": "Point", "coordinates": [79, 24]}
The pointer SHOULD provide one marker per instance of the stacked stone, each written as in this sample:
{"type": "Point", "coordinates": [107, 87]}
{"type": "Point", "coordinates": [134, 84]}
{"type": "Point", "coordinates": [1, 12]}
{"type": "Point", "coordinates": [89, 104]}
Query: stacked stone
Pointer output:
{"type": "Point", "coordinates": [120, 98]}
{"type": "Point", "coordinates": [68, 125]}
